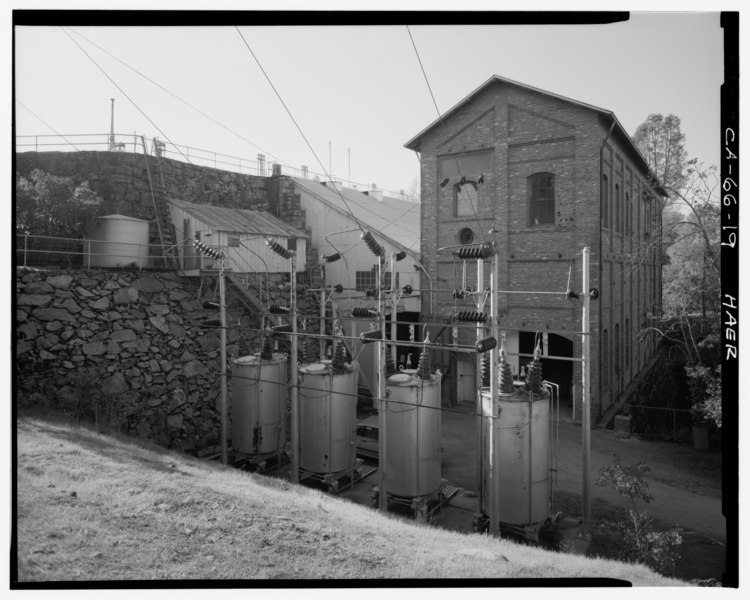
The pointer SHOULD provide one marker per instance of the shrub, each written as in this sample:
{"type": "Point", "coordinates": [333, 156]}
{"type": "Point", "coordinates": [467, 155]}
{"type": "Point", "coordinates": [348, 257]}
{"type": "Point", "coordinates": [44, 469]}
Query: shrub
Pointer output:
{"type": "Point", "coordinates": [641, 541]}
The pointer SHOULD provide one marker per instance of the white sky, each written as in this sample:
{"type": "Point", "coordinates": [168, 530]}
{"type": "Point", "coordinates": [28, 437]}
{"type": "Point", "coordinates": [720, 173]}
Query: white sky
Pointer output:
{"type": "Point", "coordinates": [360, 88]}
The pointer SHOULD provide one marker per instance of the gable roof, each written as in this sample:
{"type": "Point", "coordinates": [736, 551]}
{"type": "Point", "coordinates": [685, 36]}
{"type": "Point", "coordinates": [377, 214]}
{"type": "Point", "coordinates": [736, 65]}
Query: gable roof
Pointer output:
{"type": "Point", "coordinates": [397, 220]}
{"type": "Point", "coordinates": [239, 220]}
{"type": "Point", "coordinates": [413, 143]}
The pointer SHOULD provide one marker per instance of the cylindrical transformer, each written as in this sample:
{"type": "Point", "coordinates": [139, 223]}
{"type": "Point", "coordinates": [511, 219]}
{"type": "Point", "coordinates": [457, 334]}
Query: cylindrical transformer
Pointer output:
{"type": "Point", "coordinates": [516, 456]}
{"type": "Point", "coordinates": [413, 435]}
{"type": "Point", "coordinates": [259, 404]}
{"type": "Point", "coordinates": [328, 417]}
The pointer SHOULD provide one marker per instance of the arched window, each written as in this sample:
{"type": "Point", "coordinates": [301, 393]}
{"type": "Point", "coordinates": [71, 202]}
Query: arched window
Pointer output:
{"type": "Point", "coordinates": [541, 199]}
{"type": "Point", "coordinates": [628, 215]}
{"type": "Point", "coordinates": [605, 202]}
{"type": "Point", "coordinates": [617, 208]}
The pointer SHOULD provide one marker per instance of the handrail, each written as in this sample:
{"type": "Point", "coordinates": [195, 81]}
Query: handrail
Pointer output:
{"type": "Point", "coordinates": [125, 142]}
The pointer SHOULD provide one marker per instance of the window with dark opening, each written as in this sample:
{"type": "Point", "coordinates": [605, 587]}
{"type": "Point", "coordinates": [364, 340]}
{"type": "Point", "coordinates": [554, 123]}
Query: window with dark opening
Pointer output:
{"type": "Point", "coordinates": [541, 195]}
{"type": "Point", "coordinates": [605, 202]}
{"type": "Point", "coordinates": [466, 236]}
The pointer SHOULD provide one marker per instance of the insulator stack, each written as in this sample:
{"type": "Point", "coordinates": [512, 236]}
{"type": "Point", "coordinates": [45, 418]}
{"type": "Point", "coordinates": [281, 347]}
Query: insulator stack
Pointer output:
{"type": "Point", "coordinates": [481, 251]}
{"type": "Point", "coordinates": [338, 364]}
{"type": "Point", "coordinates": [505, 375]}
{"type": "Point", "coordinates": [534, 376]}
{"type": "Point", "coordinates": [371, 293]}
{"type": "Point", "coordinates": [470, 316]}
{"type": "Point", "coordinates": [203, 249]}
{"type": "Point", "coordinates": [458, 294]}
{"type": "Point", "coordinates": [266, 352]}
{"type": "Point", "coordinates": [484, 368]}
{"type": "Point", "coordinates": [310, 350]}
{"type": "Point", "coordinates": [424, 369]}
{"type": "Point", "coordinates": [372, 244]}
{"type": "Point", "coordinates": [331, 258]}
{"type": "Point", "coordinates": [277, 309]}
{"type": "Point", "coordinates": [390, 363]}
{"type": "Point", "coordinates": [279, 329]}
{"type": "Point", "coordinates": [369, 336]}
{"type": "Point", "coordinates": [407, 290]}
{"type": "Point", "coordinates": [338, 288]}
{"type": "Point", "coordinates": [211, 323]}
{"type": "Point", "coordinates": [278, 248]}
{"type": "Point", "coordinates": [364, 312]}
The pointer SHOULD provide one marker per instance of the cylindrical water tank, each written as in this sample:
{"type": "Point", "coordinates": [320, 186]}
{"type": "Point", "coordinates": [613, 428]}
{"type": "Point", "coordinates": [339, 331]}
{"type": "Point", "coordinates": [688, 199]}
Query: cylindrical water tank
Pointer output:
{"type": "Point", "coordinates": [119, 241]}
{"type": "Point", "coordinates": [259, 404]}
{"type": "Point", "coordinates": [520, 467]}
{"type": "Point", "coordinates": [328, 418]}
{"type": "Point", "coordinates": [413, 435]}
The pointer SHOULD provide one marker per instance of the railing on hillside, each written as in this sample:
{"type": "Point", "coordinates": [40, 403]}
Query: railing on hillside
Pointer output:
{"type": "Point", "coordinates": [45, 251]}
{"type": "Point", "coordinates": [131, 143]}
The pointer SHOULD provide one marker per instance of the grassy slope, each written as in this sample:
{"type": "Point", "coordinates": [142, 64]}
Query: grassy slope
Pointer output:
{"type": "Point", "coordinates": [94, 507]}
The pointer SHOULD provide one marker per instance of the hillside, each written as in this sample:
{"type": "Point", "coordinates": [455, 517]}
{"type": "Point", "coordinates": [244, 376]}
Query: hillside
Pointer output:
{"type": "Point", "coordinates": [92, 507]}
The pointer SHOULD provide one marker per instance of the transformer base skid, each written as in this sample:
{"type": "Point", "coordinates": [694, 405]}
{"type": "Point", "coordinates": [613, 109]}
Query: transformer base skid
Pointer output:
{"type": "Point", "coordinates": [255, 463]}
{"type": "Point", "coordinates": [421, 508]}
{"type": "Point", "coordinates": [534, 532]}
{"type": "Point", "coordinates": [333, 483]}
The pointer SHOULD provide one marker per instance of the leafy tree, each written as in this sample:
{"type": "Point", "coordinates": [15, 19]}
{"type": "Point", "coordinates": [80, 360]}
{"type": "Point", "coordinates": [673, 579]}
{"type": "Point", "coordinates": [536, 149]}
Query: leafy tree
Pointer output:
{"type": "Point", "coordinates": [48, 205]}
{"type": "Point", "coordinates": [662, 143]}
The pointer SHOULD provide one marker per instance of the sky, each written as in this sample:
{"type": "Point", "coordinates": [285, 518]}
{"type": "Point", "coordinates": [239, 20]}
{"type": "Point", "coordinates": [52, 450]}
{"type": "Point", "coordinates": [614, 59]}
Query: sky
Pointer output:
{"type": "Point", "coordinates": [343, 100]}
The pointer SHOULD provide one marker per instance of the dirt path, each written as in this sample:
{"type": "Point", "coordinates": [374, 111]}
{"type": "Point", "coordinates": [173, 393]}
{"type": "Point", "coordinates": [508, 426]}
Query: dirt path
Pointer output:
{"type": "Point", "coordinates": [685, 483]}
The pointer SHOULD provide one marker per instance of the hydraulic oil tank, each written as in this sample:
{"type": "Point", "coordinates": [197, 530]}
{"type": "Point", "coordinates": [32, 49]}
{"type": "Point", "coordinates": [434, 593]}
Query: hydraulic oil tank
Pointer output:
{"type": "Point", "coordinates": [259, 404]}
{"type": "Point", "coordinates": [328, 417]}
{"type": "Point", "coordinates": [413, 432]}
{"type": "Point", "coordinates": [519, 434]}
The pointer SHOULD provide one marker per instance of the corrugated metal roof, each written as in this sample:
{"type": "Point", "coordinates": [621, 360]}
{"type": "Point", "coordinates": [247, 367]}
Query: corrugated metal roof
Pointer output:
{"type": "Point", "coordinates": [239, 220]}
{"type": "Point", "coordinates": [395, 219]}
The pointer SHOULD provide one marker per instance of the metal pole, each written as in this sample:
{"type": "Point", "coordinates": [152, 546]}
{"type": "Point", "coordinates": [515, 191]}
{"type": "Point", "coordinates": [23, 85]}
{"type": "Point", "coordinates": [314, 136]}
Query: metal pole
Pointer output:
{"type": "Point", "coordinates": [586, 382]}
{"type": "Point", "coordinates": [295, 373]}
{"type": "Point", "coordinates": [383, 440]}
{"type": "Point", "coordinates": [478, 370]}
{"type": "Point", "coordinates": [25, 248]}
{"type": "Point", "coordinates": [494, 474]}
{"type": "Point", "coordinates": [394, 304]}
{"type": "Point", "coordinates": [223, 372]}
{"type": "Point", "coordinates": [322, 345]}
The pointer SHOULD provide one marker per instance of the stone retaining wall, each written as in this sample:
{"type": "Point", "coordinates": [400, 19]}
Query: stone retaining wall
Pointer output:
{"type": "Point", "coordinates": [126, 348]}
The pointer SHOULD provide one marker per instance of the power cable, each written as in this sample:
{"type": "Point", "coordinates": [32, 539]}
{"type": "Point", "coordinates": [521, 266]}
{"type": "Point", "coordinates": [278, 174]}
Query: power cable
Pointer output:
{"type": "Point", "coordinates": [278, 95]}
{"type": "Point", "coordinates": [442, 124]}
{"type": "Point", "coordinates": [46, 124]}
{"type": "Point", "coordinates": [176, 97]}
{"type": "Point", "coordinates": [125, 94]}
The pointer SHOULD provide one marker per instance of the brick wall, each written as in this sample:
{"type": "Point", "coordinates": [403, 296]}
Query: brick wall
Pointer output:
{"type": "Point", "coordinates": [530, 132]}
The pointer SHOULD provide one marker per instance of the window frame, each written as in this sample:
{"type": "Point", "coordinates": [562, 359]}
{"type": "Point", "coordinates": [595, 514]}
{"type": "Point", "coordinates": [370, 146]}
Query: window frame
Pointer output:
{"type": "Point", "coordinates": [532, 186]}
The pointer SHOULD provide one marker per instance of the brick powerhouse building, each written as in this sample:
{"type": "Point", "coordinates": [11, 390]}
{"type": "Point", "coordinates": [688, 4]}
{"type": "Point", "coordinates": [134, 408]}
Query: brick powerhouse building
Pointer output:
{"type": "Point", "coordinates": [546, 176]}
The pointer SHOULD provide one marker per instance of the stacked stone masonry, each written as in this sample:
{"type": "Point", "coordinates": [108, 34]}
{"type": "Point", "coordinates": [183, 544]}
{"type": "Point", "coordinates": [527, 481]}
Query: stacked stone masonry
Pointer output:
{"type": "Point", "coordinates": [130, 344]}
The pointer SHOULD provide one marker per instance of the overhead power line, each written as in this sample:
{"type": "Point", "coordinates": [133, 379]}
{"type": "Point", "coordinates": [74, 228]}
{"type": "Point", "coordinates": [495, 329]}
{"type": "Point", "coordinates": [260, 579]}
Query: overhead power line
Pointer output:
{"type": "Point", "coordinates": [124, 93]}
{"type": "Point", "coordinates": [278, 95]}
{"type": "Point", "coordinates": [442, 124]}
{"type": "Point", "coordinates": [177, 97]}
{"type": "Point", "coordinates": [45, 123]}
